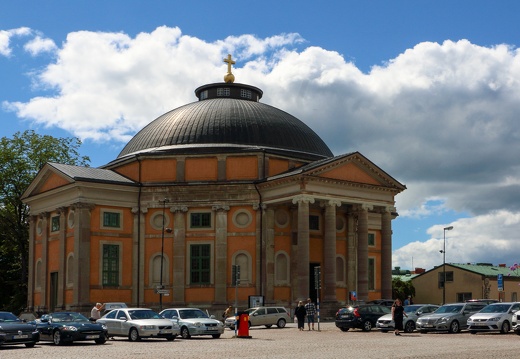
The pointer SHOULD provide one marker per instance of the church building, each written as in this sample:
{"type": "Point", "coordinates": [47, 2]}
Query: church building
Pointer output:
{"type": "Point", "coordinates": [224, 181]}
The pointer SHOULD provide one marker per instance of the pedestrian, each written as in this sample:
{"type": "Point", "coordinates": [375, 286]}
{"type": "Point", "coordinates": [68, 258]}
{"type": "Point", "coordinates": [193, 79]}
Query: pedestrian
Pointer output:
{"type": "Point", "coordinates": [397, 316]}
{"type": "Point", "coordinates": [300, 313]}
{"type": "Point", "coordinates": [310, 308]}
{"type": "Point", "coordinates": [227, 313]}
{"type": "Point", "coordinates": [408, 300]}
{"type": "Point", "coordinates": [95, 313]}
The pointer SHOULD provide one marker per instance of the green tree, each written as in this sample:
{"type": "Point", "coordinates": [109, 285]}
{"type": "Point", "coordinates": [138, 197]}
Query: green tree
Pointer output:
{"type": "Point", "coordinates": [402, 289]}
{"type": "Point", "coordinates": [21, 157]}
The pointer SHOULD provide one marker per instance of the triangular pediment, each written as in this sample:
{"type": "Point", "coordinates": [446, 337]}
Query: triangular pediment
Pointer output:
{"type": "Point", "coordinates": [355, 168]}
{"type": "Point", "coordinates": [47, 179]}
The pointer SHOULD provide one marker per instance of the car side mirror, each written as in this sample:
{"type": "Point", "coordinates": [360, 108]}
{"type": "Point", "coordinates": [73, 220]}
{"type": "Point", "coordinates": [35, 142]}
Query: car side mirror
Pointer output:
{"type": "Point", "coordinates": [419, 312]}
{"type": "Point", "coordinates": [44, 320]}
{"type": "Point", "coordinates": [122, 318]}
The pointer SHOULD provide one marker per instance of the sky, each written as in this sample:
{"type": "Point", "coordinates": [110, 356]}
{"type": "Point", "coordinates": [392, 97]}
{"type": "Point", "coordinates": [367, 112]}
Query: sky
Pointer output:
{"type": "Point", "coordinates": [427, 90]}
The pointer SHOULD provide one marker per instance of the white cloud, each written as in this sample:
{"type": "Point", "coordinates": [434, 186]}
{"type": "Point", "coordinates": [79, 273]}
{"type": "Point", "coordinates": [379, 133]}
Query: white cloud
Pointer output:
{"type": "Point", "coordinates": [5, 38]}
{"type": "Point", "coordinates": [440, 118]}
{"type": "Point", "coordinates": [489, 238]}
{"type": "Point", "coordinates": [39, 45]}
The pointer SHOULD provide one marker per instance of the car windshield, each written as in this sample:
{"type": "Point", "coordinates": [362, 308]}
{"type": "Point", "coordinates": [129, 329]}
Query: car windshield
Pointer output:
{"type": "Point", "coordinates": [496, 308]}
{"type": "Point", "coordinates": [8, 317]}
{"type": "Point", "coordinates": [449, 309]}
{"type": "Point", "coordinates": [68, 317]}
{"type": "Point", "coordinates": [143, 314]}
{"type": "Point", "coordinates": [192, 313]}
{"type": "Point", "coordinates": [412, 308]}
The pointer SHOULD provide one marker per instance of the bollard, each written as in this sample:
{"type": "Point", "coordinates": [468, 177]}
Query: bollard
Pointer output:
{"type": "Point", "coordinates": [243, 325]}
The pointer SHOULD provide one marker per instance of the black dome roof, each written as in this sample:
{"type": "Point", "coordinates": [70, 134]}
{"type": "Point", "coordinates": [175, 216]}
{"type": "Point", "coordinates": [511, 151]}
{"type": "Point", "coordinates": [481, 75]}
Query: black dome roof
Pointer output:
{"type": "Point", "coordinates": [228, 122]}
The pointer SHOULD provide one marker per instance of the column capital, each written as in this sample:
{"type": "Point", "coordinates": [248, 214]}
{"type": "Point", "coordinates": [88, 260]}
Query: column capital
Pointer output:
{"type": "Point", "coordinates": [83, 205]}
{"type": "Point", "coordinates": [61, 210]}
{"type": "Point", "coordinates": [135, 210]}
{"type": "Point", "coordinates": [303, 198]}
{"type": "Point", "coordinates": [220, 208]}
{"type": "Point", "coordinates": [179, 209]}
{"type": "Point", "coordinates": [363, 207]}
{"type": "Point", "coordinates": [331, 202]}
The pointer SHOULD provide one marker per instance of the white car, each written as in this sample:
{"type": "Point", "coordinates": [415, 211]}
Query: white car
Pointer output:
{"type": "Point", "coordinates": [193, 321]}
{"type": "Point", "coordinates": [413, 311]}
{"type": "Point", "coordinates": [494, 317]}
{"type": "Point", "coordinates": [137, 323]}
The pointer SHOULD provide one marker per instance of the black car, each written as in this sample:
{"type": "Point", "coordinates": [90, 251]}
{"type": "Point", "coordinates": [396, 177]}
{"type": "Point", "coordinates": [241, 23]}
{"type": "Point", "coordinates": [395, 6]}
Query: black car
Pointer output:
{"type": "Point", "coordinates": [68, 327]}
{"type": "Point", "coordinates": [15, 331]}
{"type": "Point", "coordinates": [363, 316]}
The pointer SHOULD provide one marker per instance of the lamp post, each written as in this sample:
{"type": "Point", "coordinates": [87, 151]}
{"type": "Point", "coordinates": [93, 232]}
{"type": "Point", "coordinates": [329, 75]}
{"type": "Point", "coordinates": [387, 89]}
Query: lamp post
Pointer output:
{"type": "Point", "coordinates": [162, 252]}
{"type": "Point", "coordinates": [444, 265]}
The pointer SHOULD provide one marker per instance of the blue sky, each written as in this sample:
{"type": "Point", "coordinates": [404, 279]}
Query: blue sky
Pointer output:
{"type": "Point", "coordinates": [428, 90]}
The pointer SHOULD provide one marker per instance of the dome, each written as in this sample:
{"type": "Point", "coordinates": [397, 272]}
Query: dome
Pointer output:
{"type": "Point", "coordinates": [228, 115]}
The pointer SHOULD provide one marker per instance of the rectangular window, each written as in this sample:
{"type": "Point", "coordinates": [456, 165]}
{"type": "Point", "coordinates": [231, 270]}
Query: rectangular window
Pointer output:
{"type": "Point", "coordinates": [371, 273]}
{"type": "Point", "coordinates": [110, 265]}
{"type": "Point", "coordinates": [462, 297]}
{"type": "Point", "coordinates": [449, 278]}
{"type": "Point", "coordinates": [223, 91]}
{"type": "Point", "coordinates": [200, 263]}
{"type": "Point", "coordinates": [200, 220]}
{"type": "Point", "coordinates": [204, 95]}
{"type": "Point", "coordinates": [314, 222]}
{"type": "Point", "coordinates": [55, 224]}
{"type": "Point", "coordinates": [371, 239]}
{"type": "Point", "coordinates": [111, 219]}
{"type": "Point", "coordinates": [245, 94]}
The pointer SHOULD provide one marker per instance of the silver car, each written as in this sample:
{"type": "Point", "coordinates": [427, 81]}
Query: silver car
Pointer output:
{"type": "Point", "coordinates": [267, 316]}
{"type": "Point", "coordinates": [413, 312]}
{"type": "Point", "coordinates": [137, 323]}
{"type": "Point", "coordinates": [449, 317]}
{"type": "Point", "coordinates": [494, 317]}
{"type": "Point", "coordinates": [193, 321]}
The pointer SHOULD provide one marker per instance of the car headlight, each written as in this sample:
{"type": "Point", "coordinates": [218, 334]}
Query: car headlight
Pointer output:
{"type": "Point", "coordinates": [197, 324]}
{"type": "Point", "coordinates": [103, 326]}
{"type": "Point", "coordinates": [147, 327]}
{"type": "Point", "coordinates": [496, 319]}
{"type": "Point", "coordinates": [69, 328]}
{"type": "Point", "coordinates": [443, 320]}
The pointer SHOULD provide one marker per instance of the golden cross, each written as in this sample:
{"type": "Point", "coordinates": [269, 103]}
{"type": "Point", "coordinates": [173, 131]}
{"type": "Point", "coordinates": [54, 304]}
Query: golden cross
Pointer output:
{"type": "Point", "coordinates": [229, 63]}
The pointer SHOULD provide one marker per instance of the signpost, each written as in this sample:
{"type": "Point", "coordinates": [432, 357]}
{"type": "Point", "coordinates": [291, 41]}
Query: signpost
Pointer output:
{"type": "Point", "coordinates": [317, 286]}
{"type": "Point", "coordinates": [235, 281]}
{"type": "Point", "coordinates": [500, 282]}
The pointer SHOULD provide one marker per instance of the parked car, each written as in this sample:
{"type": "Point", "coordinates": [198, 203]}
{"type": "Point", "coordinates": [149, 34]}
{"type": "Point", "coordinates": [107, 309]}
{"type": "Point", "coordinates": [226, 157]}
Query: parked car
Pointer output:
{"type": "Point", "coordinates": [494, 317]}
{"type": "Point", "coordinates": [13, 331]}
{"type": "Point", "coordinates": [487, 301]}
{"type": "Point", "coordinates": [113, 305]}
{"type": "Point", "coordinates": [413, 311]}
{"type": "Point", "coordinates": [68, 327]}
{"type": "Point", "coordinates": [383, 302]}
{"type": "Point", "coordinates": [362, 316]}
{"type": "Point", "coordinates": [193, 321]}
{"type": "Point", "coordinates": [267, 316]}
{"type": "Point", "coordinates": [449, 317]}
{"type": "Point", "coordinates": [137, 323]}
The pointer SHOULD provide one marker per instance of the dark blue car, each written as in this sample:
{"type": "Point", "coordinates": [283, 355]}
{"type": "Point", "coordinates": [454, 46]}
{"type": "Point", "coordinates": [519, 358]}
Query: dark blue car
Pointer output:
{"type": "Point", "coordinates": [15, 331]}
{"type": "Point", "coordinates": [68, 327]}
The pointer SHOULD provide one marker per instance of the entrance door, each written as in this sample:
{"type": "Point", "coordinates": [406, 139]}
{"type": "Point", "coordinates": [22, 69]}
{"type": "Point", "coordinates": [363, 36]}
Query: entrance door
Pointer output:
{"type": "Point", "coordinates": [313, 293]}
{"type": "Point", "coordinates": [53, 295]}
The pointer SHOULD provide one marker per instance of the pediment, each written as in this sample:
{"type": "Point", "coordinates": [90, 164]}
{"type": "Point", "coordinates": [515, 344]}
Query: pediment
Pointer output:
{"type": "Point", "coordinates": [47, 179]}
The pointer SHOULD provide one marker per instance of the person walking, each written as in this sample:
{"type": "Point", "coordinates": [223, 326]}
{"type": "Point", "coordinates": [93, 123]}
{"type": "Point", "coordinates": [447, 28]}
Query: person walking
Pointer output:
{"type": "Point", "coordinates": [95, 313]}
{"type": "Point", "coordinates": [397, 316]}
{"type": "Point", "coordinates": [310, 308]}
{"type": "Point", "coordinates": [300, 313]}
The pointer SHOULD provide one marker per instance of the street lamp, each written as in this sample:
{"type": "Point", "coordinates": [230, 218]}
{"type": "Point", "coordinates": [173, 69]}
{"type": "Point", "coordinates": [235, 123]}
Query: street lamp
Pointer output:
{"type": "Point", "coordinates": [444, 265]}
{"type": "Point", "coordinates": [168, 230]}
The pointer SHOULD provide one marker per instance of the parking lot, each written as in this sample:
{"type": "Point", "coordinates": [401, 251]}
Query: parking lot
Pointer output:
{"type": "Point", "coordinates": [288, 342]}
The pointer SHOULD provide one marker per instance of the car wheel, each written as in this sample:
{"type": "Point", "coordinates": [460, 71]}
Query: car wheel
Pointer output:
{"type": "Point", "coordinates": [409, 326]}
{"type": "Point", "coordinates": [268, 326]}
{"type": "Point", "coordinates": [454, 327]}
{"type": "Point", "coordinates": [170, 338]}
{"type": "Point", "coordinates": [367, 326]}
{"type": "Point", "coordinates": [133, 335]}
{"type": "Point", "coordinates": [344, 329]}
{"type": "Point", "coordinates": [185, 333]}
{"type": "Point", "coordinates": [30, 345]}
{"type": "Point", "coordinates": [56, 338]}
{"type": "Point", "coordinates": [384, 331]}
{"type": "Point", "coordinates": [281, 323]}
{"type": "Point", "coordinates": [215, 336]}
{"type": "Point", "coordinates": [505, 327]}
{"type": "Point", "coordinates": [101, 340]}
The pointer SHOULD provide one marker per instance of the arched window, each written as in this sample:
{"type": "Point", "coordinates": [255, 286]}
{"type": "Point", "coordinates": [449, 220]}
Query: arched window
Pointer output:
{"type": "Point", "coordinates": [155, 270]}
{"type": "Point", "coordinates": [281, 274]}
{"type": "Point", "coordinates": [70, 270]}
{"type": "Point", "coordinates": [243, 259]}
{"type": "Point", "coordinates": [340, 269]}
{"type": "Point", "coordinates": [38, 274]}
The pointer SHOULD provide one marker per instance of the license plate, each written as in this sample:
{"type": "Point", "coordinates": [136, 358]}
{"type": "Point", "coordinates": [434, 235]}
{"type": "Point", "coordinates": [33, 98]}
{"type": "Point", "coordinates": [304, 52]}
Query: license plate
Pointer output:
{"type": "Point", "coordinates": [383, 325]}
{"type": "Point", "coordinates": [23, 336]}
{"type": "Point", "coordinates": [480, 324]}
{"type": "Point", "coordinates": [428, 325]}
{"type": "Point", "coordinates": [92, 336]}
{"type": "Point", "coordinates": [165, 331]}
